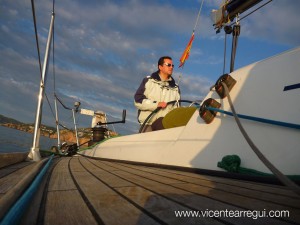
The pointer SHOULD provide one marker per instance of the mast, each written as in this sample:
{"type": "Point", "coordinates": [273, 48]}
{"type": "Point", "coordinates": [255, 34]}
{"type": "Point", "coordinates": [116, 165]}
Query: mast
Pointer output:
{"type": "Point", "coordinates": [226, 13]}
{"type": "Point", "coordinates": [34, 153]}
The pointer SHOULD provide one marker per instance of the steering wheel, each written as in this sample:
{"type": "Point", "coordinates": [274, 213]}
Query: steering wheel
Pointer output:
{"type": "Point", "coordinates": [159, 108]}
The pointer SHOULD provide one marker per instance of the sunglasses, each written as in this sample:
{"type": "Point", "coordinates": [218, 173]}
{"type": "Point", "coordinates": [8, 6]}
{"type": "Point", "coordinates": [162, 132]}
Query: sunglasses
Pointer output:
{"type": "Point", "coordinates": [169, 65]}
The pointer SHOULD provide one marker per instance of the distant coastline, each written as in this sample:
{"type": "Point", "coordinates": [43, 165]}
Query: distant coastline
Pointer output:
{"type": "Point", "coordinates": [85, 134]}
{"type": "Point", "coordinates": [50, 132]}
{"type": "Point", "coordinates": [30, 129]}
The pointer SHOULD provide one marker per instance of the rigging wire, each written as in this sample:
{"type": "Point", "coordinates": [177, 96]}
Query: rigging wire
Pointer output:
{"type": "Point", "coordinates": [51, 109]}
{"type": "Point", "coordinates": [54, 73]}
{"type": "Point", "coordinates": [36, 36]}
{"type": "Point", "coordinates": [53, 4]}
{"type": "Point", "coordinates": [251, 12]}
{"type": "Point", "coordinates": [39, 56]}
{"type": "Point", "coordinates": [62, 103]}
{"type": "Point", "coordinates": [53, 62]}
{"type": "Point", "coordinates": [198, 16]}
{"type": "Point", "coordinates": [38, 50]}
{"type": "Point", "coordinates": [53, 58]}
{"type": "Point", "coordinates": [53, 52]}
{"type": "Point", "coordinates": [193, 33]}
{"type": "Point", "coordinates": [63, 126]}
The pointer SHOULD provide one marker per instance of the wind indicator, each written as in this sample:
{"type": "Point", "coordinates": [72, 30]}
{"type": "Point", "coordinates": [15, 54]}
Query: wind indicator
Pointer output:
{"type": "Point", "coordinates": [185, 55]}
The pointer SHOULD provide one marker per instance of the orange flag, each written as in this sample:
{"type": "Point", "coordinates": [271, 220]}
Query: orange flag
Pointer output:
{"type": "Point", "coordinates": [186, 53]}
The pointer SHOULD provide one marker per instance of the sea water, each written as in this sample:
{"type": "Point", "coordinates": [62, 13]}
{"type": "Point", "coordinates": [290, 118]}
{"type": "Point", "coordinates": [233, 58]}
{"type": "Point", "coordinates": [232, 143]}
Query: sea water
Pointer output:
{"type": "Point", "coordinates": [13, 140]}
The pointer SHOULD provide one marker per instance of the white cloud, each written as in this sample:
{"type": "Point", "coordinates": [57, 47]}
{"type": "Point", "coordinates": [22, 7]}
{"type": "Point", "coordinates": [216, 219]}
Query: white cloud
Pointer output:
{"type": "Point", "coordinates": [103, 50]}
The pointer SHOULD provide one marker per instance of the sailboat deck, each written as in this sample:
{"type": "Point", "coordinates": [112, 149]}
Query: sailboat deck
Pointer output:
{"type": "Point", "coordinates": [79, 190]}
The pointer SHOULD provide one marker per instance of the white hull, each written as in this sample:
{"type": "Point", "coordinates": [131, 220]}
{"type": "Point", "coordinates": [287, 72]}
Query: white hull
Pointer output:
{"type": "Point", "coordinates": [258, 93]}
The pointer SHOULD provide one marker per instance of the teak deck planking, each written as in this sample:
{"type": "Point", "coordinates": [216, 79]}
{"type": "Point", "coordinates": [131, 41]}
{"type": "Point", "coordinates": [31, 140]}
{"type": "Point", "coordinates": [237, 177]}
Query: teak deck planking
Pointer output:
{"type": "Point", "coordinates": [79, 190]}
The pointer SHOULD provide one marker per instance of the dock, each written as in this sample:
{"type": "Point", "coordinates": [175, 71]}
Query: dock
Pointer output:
{"type": "Point", "coordinates": [81, 190]}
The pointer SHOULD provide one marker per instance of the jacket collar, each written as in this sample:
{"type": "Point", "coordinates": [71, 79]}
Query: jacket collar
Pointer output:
{"type": "Point", "coordinates": [156, 76]}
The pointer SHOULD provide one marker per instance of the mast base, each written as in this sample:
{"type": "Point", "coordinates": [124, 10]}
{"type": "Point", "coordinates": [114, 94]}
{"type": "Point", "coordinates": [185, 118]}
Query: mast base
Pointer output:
{"type": "Point", "coordinates": [34, 154]}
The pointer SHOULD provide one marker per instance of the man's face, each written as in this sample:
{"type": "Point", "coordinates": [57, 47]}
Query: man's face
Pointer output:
{"type": "Point", "coordinates": [167, 67]}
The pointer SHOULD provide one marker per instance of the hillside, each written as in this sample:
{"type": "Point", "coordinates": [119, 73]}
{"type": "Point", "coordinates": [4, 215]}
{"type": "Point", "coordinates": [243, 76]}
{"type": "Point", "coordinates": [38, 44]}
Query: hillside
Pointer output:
{"type": "Point", "coordinates": [4, 119]}
{"type": "Point", "coordinates": [84, 134]}
{"type": "Point", "coordinates": [15, 124]}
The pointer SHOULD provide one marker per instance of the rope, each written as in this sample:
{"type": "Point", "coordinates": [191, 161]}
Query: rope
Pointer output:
{"type": "Point", "coordinates": [267, 163]}
{"type": "Point", "coordinates": [225, 50]}
{"type": "Point", "coordinates": [235, 34]}
{"type": "Point", "coordinates": [62, 103]}
{"type": "Point", "coordinates": [14, 215]}
{"type": "Point", "coordinates": [65, 108]}
{"type": "Point", "coordinates": [257, 119]}
{"type": "Point", "coordinates": [231, 163]}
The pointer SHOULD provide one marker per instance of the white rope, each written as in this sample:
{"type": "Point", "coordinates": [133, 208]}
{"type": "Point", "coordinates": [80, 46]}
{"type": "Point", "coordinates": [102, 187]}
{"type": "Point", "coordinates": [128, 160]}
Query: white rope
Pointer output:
{"type": "Point", "coordinates": [284, 179]}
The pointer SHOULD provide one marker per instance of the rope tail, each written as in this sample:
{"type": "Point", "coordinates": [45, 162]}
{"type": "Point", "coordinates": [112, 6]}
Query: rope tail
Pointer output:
{"type": "Point", "coordinates": [284, 179]}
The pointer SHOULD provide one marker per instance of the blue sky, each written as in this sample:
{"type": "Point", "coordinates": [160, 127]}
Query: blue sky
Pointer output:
{"type": "Point", "coordinates": [103, 49]}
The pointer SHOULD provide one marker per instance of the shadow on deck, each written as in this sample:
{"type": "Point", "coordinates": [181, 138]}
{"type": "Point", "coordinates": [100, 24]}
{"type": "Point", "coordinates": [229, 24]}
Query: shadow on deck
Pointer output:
{"type": "Point", "coordinates": [79, 190]}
